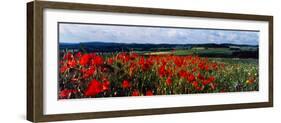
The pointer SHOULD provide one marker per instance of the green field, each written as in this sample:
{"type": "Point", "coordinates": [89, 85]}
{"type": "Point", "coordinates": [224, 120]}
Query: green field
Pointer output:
{"type": "Point", "coordinates": [217, 51]}
{"type": "Point", "coordinates": [208, 52]}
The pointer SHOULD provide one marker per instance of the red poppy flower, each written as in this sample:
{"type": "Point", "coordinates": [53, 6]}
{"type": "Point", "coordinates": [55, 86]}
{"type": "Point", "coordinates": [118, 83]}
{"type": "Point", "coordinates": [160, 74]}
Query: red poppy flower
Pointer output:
{"type": "Point", "coordinates": [194, 69]}
{"type": "Point", "coordinates": [97, 60]}
{"type": "Point", "coordinates": [88, 72]}
{"type": "Point", "coordinates": [178, 62]}
{"type": "Point", "coordinates": [135, 93]}
{"type": "Point", "coordinates": [105, 85]}
{"type": "Point", "coordinates": [206, 67]}
{"type": "Point", "coordinates": [64, 94]}
{"type": "Point", "coordinates": [191, 78]}
{"type": "Point", "coordinates": [169, 81]}
{"type": "Point", "coordinates": [125, 84]}
{"type": "Point", "coordinates": [63, 69]}
{"type": "Point", "coordinates": [149, 93]}
{"type": "Point", "coordinates": [134, 56]}
{"type": "Point", "coordinates": [199, 76]}
{"type": "Point", "coordinates": [68, 56]}
{"type": "Point", "coordinates": [183, 74]}
{"type": "Point", "coordinates": [71, 63]}
{"type": "Point", "coordinates": [211, 78]}
{"type": "Point", "coordinates": [206, 82]}
{"type": "Point", "coordinates": [110, 61]}
{"type": "Point", "coordinates": [215, 66]}
{"type": "Point", "coordinates": [164, 62]}
{"type": "Point", "coordinates": [195, 84]}
{"type": "Point", "coordinates": [201, 66]}
{"type": "Point", "coordinates": [84, 60]}
{"type": "Point", "coordinates": [78, 55]}
{"type": "Point", "coordinates": [162, 71]}
{"type": "Point", "coordinates": [94, 88]}
{"type": "Point", "coordinates": [145, 63]}
{"type": "Point", "coordinates": [123, 57]}
{"type": "Point", "coordinates": [169, 72]}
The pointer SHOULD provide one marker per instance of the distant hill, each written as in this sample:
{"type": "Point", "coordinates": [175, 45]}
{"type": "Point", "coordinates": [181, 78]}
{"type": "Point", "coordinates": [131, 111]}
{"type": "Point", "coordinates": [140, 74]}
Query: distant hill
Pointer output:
{"type": "Point", "coordinates": [109, 47]}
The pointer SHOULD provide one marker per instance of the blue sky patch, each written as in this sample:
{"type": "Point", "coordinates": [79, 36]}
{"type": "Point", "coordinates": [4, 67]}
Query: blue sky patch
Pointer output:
{"type": "Point", "coordinates": [76, 33]}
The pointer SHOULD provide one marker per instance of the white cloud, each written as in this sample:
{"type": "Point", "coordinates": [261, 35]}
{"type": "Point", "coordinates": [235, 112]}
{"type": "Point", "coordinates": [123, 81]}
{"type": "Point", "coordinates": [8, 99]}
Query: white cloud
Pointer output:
{"type": "Point", "coordinates": [73, 33]}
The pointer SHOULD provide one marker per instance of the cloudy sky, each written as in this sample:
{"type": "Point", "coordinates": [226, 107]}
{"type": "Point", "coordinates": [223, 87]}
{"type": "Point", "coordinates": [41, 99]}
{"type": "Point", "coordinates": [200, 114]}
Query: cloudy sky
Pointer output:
{"type": "Point", "coordinates": [75, 33]}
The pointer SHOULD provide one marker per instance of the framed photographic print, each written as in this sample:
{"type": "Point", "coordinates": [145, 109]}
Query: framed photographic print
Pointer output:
{"type": "Point", "coordinates": [97, 61]}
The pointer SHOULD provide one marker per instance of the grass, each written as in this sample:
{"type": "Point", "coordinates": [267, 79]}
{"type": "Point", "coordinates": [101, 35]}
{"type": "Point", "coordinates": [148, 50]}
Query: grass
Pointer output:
{"type": "Point", "coordinates": [183, 52]}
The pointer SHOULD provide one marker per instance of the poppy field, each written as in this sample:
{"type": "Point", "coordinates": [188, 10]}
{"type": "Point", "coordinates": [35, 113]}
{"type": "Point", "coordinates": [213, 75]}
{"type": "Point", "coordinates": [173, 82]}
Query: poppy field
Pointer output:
{"type": "Point", "coordinates": [122, 74]}
{"type": "Point", "coordinates": [115, 60]}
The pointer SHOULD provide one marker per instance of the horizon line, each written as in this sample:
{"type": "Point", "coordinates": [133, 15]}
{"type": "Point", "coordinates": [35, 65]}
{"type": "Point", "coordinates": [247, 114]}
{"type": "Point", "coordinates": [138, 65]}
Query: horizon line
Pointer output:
{"type": "Point", "coordinates": [153, 43]}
